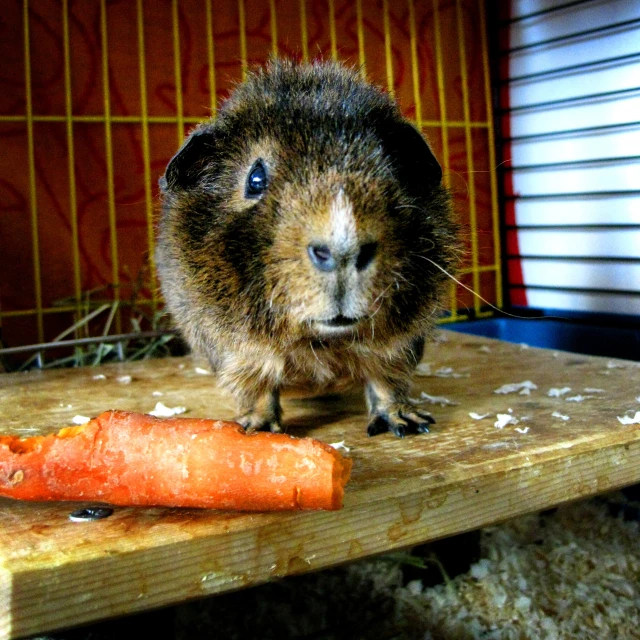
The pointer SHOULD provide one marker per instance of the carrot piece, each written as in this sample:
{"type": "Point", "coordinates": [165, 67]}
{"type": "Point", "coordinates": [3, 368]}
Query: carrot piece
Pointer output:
{"type": "Point", "coordinates": [135, 459]}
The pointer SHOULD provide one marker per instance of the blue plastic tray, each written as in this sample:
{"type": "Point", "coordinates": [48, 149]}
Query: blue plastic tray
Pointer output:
{"type": "Point", "coordinates": [614, 342]}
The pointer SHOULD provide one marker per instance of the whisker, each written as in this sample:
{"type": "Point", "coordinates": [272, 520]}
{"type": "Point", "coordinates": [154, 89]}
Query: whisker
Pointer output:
{"type": "Point", "coordinates": [470, 290]}
{"type": "Point", "coordinates": [315, 355]}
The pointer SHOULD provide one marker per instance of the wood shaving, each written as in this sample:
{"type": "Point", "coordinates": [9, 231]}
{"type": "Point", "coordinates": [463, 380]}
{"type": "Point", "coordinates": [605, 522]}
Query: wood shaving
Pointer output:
{"type": "Point", "coordinates": [541, 578]}
{"type": "Point", "coordinates": [516, 386]}
{"type": "Point", "coordinates": [557, 393]}
{"type": "Point", "coordinates": [424, 370]}
{"type": "Point", "coordinates": [162, 411]}
{"type": "Point", "coordinates": [568, 574]}
{"type": "Point", "coordinates": [448, 372]}
{"type": "Point", "coordinates": [557, 414]}
{"type": "Point", "coordinates": [579, 398]}
{"type": "Point", "coordinates": [503, 420]}
{"type": "Point", "coordinates": [441, 400]}
{"type": "Point", "coordinates": [630, 420]}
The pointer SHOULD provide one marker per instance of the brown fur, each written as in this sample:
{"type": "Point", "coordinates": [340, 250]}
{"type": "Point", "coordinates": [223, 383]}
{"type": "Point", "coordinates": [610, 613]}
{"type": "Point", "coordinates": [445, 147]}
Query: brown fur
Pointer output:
{"type": "Point", "coordinates": [345, 171]}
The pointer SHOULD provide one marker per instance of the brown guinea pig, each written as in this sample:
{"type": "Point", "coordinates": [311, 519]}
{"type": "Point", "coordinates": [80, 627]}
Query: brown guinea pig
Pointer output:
{"type": "Point", "coordinates": [301, 241]}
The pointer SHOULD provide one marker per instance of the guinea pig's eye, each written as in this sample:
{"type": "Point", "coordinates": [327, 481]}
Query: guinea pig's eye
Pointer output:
{"type": "Point", "coordinates": [256, 180]}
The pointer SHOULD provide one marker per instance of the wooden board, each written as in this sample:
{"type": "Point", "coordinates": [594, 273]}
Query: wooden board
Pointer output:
{"type": "Point", "coordinates": [465, 474]}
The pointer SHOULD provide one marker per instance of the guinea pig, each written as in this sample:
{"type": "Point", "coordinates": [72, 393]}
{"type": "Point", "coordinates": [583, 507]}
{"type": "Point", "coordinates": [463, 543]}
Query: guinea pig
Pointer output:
{"type": "Point", "coordinates": [304, 238]}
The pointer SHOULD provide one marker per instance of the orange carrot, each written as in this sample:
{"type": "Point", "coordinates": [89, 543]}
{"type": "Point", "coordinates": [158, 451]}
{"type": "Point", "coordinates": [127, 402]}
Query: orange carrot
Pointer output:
{"type": "Point", "coordinates": [132, 459]}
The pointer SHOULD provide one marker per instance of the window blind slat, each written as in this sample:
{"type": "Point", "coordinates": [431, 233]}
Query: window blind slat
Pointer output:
{"type": "Point", "coordinates": [617, 210]}
{"type": "Point", "coordinates": [579, 243]}
{"type": "Point", "coordinates": [576, 274]}
{"type": "Point", "coordinates": [574, 19]}
{"type": "Point", "coordinates": [571, 132]}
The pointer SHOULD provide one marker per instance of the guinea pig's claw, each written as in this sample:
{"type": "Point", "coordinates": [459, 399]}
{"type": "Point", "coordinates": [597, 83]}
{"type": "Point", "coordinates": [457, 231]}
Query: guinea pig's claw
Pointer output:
{"type": "Point", "coordinates": [256, 422]}
{"type": "Point", "coordinates": [400, 421]}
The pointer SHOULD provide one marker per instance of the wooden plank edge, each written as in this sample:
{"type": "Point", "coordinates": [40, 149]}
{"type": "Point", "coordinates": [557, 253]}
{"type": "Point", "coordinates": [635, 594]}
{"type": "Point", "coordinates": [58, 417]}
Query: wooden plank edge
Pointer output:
{"type": "Point", "coordinates": [63, 596]}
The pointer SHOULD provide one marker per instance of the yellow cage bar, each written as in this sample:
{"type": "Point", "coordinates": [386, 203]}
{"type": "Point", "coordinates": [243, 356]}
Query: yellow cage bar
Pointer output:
{"type": "Point", "coordinates": [371, 30]}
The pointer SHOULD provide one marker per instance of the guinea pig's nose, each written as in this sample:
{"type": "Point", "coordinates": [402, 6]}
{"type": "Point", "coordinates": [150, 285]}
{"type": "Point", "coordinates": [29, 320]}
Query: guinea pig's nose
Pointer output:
{"type": "Point", "coordinates": [325, 259]}
{"type": "Point", "coordinates": [321, 257]}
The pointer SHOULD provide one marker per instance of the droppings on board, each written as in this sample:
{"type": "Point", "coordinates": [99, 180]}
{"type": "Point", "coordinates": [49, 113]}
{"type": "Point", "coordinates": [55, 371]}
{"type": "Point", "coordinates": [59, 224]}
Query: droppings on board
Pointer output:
{"type": "Point", "coordinates": [593, 390]}
{"type": "Point", "coordinates": [124, 379]}
{"type": "Point", "coordinates": [340, 445]}
{"type": "Point", "coordinates": [557, 414]}
{"type": "Point", "coordinates": [615, 365]}
{"type": "Point", "coordinates": [524, 388]}
{"type": "Point", "coordinates": [629, 419]}
{"type": "Point", "coordinates": [638, 399]}
{"type": "Point", "coordinates": [523, 346]}
{"type": "Point", "coordinates": [162, 411]}
{"type": "Point", "coordinates": [557, 393]}
{"type": "Point", "coordinates": [522, 429]}
{"type": "Point", "coordinates": [202, 372]}
{"type": "Point", "coordinates": [485, 348]}
{"type": "Point", "coordinates": [80, 419]}
{"type": "Point", "coordinates": [99, 376]}
{"type": "Point", "coordinates": [479, 416]}
{"type": "Point", "coordinates": [157, 394]}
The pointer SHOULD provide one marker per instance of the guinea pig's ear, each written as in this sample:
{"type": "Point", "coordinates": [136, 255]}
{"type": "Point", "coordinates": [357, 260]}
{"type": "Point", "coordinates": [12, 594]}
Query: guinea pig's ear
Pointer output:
{"type": "Point", "coordinates": [411, 155]}
{"type": "Point", "coordinates": [186, 166]}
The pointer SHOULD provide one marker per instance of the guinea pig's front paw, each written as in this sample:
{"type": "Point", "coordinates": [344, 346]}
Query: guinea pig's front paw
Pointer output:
{"type": "Point", "coordinates": [400, 420]}
{"type": "Point", "coordinates": [255, 421]}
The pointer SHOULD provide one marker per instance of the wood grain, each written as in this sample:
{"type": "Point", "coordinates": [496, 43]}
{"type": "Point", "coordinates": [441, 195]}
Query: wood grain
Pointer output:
{"type": "Point", "coordinates": [465, 474]}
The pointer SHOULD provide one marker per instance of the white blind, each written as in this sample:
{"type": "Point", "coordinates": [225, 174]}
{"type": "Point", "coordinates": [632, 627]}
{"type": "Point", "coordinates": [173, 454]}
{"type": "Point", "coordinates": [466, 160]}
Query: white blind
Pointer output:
{"type": "Point", "coordinates": [570, 98]}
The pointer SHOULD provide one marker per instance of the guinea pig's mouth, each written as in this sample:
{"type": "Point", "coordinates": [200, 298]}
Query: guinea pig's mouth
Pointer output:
{"type": "Point", "coordinates": [336, 325]}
